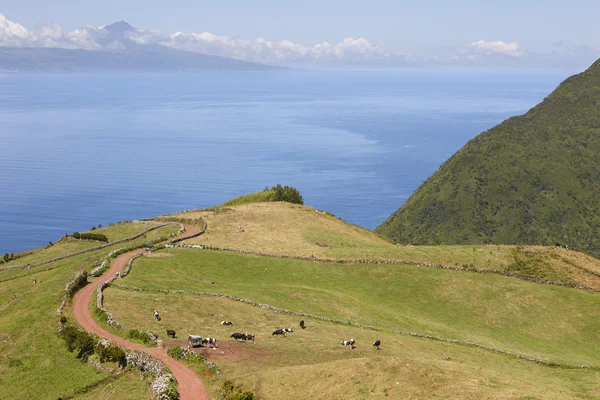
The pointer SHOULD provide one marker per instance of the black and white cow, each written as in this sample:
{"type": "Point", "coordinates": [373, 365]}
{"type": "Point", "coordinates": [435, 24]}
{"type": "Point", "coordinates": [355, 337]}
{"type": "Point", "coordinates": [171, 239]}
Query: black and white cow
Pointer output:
{"type": "Point", "coordinates": [171, 332]}
{"type": "Point", "coordinates": [209, 341]}
{"type": "Point", "coordinates": [249, 336]}
{"type": "Point", "coordinates": [239, 336]}
{"type": "Point", "coordinates": [377, 344]}
{"type": "Point", "coordinates": [227, 323]}
{"type": "Point", "coordinates": [348, 343]}
{"type": "Point", "coordinates": [288, 330]}
{"type": "Point", "coordinates": [279, 332]}
{"type": "Point", "coordinates": [156, 316]}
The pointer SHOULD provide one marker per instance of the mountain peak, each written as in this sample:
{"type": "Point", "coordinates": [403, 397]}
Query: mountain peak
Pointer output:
{"type": "Point", "coordinates": [119, 27]}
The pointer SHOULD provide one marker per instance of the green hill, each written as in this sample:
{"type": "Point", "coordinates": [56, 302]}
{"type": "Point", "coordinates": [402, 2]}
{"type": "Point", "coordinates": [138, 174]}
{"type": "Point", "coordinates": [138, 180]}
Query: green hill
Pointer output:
{"type": "Point", "coordinates": [533, 179]}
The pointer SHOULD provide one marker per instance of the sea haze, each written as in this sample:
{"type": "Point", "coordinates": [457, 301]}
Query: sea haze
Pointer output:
{"type": "Point", "coordinates": [78, 150]}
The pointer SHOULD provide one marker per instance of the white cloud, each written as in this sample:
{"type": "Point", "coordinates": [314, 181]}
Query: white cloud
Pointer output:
{"type": "Point", "coordinates": [496, 48]}
{"type": "Point", "coordinates": [13, 34]}
{"type": "Point", "coordinates": [268, 51]}
{"type": "Point", "coordinates": [281, 52]}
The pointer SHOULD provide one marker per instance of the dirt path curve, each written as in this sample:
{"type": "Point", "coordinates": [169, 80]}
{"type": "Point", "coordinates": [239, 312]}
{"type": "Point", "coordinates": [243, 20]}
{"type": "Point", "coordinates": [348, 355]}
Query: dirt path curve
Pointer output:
{"type": "Point", "coordinates": [190, 385]}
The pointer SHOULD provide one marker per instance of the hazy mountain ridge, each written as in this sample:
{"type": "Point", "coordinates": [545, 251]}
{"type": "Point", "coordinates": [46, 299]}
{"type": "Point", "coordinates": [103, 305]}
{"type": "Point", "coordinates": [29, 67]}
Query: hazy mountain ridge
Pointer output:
{"type": "Point", "coordinates": [127, 55]}
{"type": "Point", "coordinates": [533, 179]}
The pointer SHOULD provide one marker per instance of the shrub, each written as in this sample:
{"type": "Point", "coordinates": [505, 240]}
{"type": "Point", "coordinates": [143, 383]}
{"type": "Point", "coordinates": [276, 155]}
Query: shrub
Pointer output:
{"type": "Point", "coordinates": [101, 314]}
{"type": "Point", "coordinates": [181, 354]}
{"type": "Point", "coordinates": [110, 352]}
{"type": "Point", "coordinates": [287, 193]}
{"type": "Point", "coordinates": [78, 340]}
{"type": "Point", "coordinates": [145, 337]}
{"type": "Point", "coordinates": [90, 236]}
{"type": "Point", "coordinates": [229, 391]}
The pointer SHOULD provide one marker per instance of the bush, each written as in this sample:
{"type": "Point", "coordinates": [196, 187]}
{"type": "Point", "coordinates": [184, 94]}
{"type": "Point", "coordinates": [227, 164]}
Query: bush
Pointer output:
{"type": "Point", "coordinates": [78, 340]}
{"type": "Point", "coordinates": [229, 391]}
{"type": "Point", "coordinates": [110, 352]}
{"type": "Point", "coordinates": [90, 236]}
{"type": "Point", "coordinates": [181, 354]}
{"type": "Point", "coordinates": [287, 193]}
{"type": "Point", "coordinates": [176, 352]}
{"type": "Point", "coordinates": [145, 337]}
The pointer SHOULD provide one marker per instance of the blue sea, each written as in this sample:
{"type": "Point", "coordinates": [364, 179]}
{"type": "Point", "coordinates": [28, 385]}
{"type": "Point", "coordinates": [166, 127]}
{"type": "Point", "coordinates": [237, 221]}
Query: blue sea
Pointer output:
{"type": "Point", "coordinates": [78, 150]}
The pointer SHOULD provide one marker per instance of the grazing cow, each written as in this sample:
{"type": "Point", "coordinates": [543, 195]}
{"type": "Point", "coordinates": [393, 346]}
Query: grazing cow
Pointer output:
{"type": "Point", "coordinates": [228, 323]}
{"type": "Point", "coordinates": [249, 336]}
{"type": "Point", "coordinates": [240, 336]}
{"type": "Point", "coordinates": [279, 332]}
{"type": "Point", "coordinates": [171, 332]}
{"type": "Point", "coordinates": [377, 344]}
{"type": "Point", "coordinates": [302, 324]}
{"type": "Point", "coordinates": [156, 316]}
{"type": "Point", "coordinates": [288, 330]}
{"type": "Point", "coordinates": [209, 341]}
{"type": "Point", "coordinates": [348, 343]}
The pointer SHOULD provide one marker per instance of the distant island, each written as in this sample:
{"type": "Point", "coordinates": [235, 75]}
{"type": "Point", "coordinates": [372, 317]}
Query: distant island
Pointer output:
{"type": "Point", "coordinates": [533, 179]}
{"type": "Point", "coordinates": [130, 57]}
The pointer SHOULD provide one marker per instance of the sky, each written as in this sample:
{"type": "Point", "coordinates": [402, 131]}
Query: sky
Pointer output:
{"type": "Point", "coordinates": [517, 33]}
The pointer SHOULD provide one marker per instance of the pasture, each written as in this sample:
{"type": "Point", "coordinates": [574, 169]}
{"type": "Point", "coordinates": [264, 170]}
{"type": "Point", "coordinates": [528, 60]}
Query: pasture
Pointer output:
{"type": "Point", "coordinates": [312, 362]}
{"type": "Point", "coordinates": [283, 228]}
{"type": "Point", "coordinates": [34, 361]}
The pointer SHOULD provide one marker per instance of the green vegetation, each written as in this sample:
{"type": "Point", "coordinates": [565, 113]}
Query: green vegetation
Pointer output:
{"type": "Point", "coordinates": [127, 387]}
{"type": "Point", "coordinates": [311, 362]}
{"type": "Point", "coordinates": [90, 236]}
{"type": "Point", "coordinates": [35, 363]}
{"type": "Point", "coordinates": [543, 321]}
{"type": "Point", "coordinates": [276, 193]}
{"type": "Point", "coordinates": [142, 336]}
{"type": "Point", "coordinates": [229, 391]}
{"type": "Point", "coordinates": [533, 179]}
{"type": "Point", "coordinates": [181, 354]}
{"type": "Point", "coordinates": [283, 228]}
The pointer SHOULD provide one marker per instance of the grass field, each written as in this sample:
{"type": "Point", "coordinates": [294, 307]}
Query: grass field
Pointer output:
{"type": "Point", "coordinates": [551, 323]}
{"type": "Point", "coordinates": [292, 229]}
{"type": "Point", "coordinates": [547, 322]}
{"type": "Point", "coordinates": [34, 361]}
{"type": "Point", "coordinates": [312, 363]}
{"type": "Point", "coordinates": [64, 246]}
{"type": "Point", "coordinates": [126, 387]}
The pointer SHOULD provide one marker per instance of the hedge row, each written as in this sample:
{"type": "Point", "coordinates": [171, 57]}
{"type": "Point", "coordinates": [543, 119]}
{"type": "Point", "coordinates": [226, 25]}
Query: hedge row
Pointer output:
{"type": "Point", "coordinates": [90, 236]}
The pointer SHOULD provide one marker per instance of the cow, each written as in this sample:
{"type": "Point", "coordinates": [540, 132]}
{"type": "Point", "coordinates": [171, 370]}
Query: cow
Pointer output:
{"type": "Point", "coordinates": [209, 341]}
{"type": "Point", "coordinates": [227, 323]}
{"type": "Point", "coordinates": [156, 316]}
{"type": "Point", "coordinates": [302, 324]}
{"type": "Point", "coordinates": [171, 332]}
{"type": "Point", "coordinates": [348, 343]}
{"type": "Point", "coordinates": [288, 330]}
{"type": "Point", "coordinates": [240, 336]}
{"type": "Point", "coordinates": [249, 336]}
{"type": "Point", "coordinates": [279, 332]}
{"type": "Point", "coordinates": [377, 344]}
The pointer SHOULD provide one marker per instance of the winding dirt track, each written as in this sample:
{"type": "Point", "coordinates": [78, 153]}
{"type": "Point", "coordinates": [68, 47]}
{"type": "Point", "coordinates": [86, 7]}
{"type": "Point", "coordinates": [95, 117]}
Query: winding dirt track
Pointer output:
{"type": "Point", "coordinates": [190, 385]}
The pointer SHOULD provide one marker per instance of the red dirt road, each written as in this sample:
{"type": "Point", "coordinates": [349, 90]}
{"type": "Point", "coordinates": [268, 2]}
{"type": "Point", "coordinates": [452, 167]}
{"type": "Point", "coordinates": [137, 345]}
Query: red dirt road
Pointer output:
{"type": "Point", "coordinates": [190, 385]}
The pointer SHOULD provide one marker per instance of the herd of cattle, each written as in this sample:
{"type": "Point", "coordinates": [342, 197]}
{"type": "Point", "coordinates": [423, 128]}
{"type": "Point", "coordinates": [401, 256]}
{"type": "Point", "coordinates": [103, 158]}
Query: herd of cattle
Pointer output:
{"type": "Point", "coordinates": [197, 340]}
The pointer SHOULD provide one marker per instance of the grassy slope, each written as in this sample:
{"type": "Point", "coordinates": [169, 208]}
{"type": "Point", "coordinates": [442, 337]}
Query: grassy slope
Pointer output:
{"type": "Point", "coordinates": [34, 362]}
{"type": "Point", "coordinates": [552, 323]}
{"type": "Point", "coordinates": [533, 179]}
{"type": "Point", "coordinates": [69, 245]}
{"type": "Point", "coordinates": [257, 197]}
{"type": "Point", "coordinates": [293, 229]}
{"type": "Point", "coordinates": [311, 362]}
{"type": "Point", "coordinates": [127, 387]}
